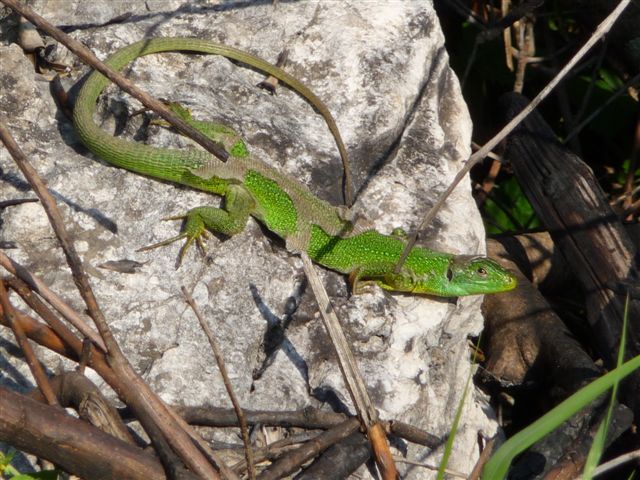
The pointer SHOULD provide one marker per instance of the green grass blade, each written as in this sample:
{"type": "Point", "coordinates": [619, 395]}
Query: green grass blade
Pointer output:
{"type": "Point", "coordinates": [498, 466]}
{"type": "Point", "coordinates": [448, 447]}
{"type": "Point", "coordinates": [598, 445]}
{"type": "Point", "coordinates": [456, 421]}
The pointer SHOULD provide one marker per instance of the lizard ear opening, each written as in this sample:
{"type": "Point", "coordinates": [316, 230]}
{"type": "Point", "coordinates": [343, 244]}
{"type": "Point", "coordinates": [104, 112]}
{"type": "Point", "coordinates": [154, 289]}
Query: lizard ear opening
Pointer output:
{"type": "Point", "coordinates": [449, 273]}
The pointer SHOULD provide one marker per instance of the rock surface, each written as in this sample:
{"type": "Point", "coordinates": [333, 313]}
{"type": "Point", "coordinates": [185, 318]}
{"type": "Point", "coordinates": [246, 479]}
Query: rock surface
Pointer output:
{"type": "Point", "coordinates": [382, 70]}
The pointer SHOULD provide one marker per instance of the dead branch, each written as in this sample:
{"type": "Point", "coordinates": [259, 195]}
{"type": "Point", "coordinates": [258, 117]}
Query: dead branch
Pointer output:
{"type": "Point", "coordinates": [161, 425]}
{"type": "Point", "coordinates": [292, 462]}
{"type": "Point", "coordinates": [35, 366]}
{"type": "Point", "coordinates": [76, 446]}
{"type": "Point", "coordinates": [74, 390]}
{"type": "Point", "coordinates": [217, 353]}
{"type": "Point", "coordinates": [340, 460]}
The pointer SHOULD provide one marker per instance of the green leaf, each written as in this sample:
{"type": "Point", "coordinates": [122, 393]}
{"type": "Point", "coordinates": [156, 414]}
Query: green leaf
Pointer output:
{"type": "Point", "coordinates": [610, 79]}
{"type": "Point", "coordinates": [508, 210]}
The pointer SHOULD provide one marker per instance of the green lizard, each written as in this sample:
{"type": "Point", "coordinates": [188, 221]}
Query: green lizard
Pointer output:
{"type": "Point", "coordinates": [283, 205]}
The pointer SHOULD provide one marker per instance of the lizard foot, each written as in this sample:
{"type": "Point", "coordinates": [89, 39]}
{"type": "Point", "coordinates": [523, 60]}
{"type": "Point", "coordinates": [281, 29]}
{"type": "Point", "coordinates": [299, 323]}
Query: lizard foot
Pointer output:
{"type": "Point", "coordinates": [194, 230]}
{"type": "Point", "coordinates": [183, 112]}
{"type": "Point", "coordinates": [358, 286]}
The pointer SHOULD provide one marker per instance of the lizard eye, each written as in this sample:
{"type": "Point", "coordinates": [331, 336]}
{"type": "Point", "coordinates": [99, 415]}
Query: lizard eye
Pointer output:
{"type": "Point", "coordinates": [482, 271]}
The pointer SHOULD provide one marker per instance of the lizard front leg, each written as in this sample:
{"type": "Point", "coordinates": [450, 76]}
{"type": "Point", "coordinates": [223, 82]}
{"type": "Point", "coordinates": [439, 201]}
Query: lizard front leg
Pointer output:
{"type": "Point", "coordinates": [228, 220]}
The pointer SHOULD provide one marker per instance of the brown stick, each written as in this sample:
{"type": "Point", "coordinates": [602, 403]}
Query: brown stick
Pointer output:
{"type": "Point", "coordinates": [150, 410]}
{"type": "Point", "coordinates": [32, 360]}
{"type": "Point", "coordinates": [292, 461]}
{"type": "Point", "coordinates": [90, 59]}
{"type": "Point", "coordinates": [309, 418]}
{"type": "Point", "coordinates": [16, 201]}
{"type": "Point", "coordinates": [340, 460]}
{"type": "Point", "coordinates": [275, 450]}
{"type": "Point", "coordinates": [40, 333]}
{"type": "Point", "coordinates": [380, 447]}
{"type": "Point", "coordinates": [74, 390]}
{"type": "Point", "coordinates": [58, 337]}
{"type": "Point", "coordinates": [54, 300]}
{"type": "Point", "coordinates": [34, 302]}
{"type": "Point", "coordinates": [48, 432]}
{"type": "Point", "coordinates": [217, 353]}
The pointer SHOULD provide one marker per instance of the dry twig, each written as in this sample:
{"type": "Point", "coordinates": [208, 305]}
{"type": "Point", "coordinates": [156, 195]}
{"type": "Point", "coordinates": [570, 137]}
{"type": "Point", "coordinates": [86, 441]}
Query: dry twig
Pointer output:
{"type": "Point", "coordinates": [154, 415]}
{"type": "Point", "coordinates": [292, 461]}
{"type": "Point", "coordinates": [217, 353]}
{"type": "Point", "coordinates": [602, 29]}
{"type": "Point", "coordinates": [352, 378]}
{"type": "Point", "coordinates": [90, 59]}
{"type": "Point", "coordinates": [32, 360]}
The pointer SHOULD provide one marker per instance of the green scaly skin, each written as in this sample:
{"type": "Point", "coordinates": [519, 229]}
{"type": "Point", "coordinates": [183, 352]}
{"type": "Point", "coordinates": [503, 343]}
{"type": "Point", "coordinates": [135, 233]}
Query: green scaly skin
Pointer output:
{"type": "Point", "coordinates": [286, 207]}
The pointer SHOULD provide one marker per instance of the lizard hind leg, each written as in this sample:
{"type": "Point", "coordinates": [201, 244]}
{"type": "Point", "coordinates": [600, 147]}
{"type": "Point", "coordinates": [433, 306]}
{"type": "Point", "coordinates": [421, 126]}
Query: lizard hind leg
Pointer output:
{"type": "Point", "coordinates": [226, 136]}
{"type": "Point", "coordinates": [360, 285]}
{"type": "Point", "coordinates": [228, 220]}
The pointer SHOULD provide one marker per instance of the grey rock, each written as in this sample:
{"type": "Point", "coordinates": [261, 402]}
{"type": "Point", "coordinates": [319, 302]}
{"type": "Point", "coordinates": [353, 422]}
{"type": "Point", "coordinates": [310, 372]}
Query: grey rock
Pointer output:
{"type": "Point", "coordinates": [382, 70]}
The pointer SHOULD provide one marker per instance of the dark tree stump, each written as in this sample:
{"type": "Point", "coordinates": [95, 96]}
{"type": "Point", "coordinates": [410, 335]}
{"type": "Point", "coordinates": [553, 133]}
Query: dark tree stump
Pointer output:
{"type": "Point", "coordinates": [575, 210]}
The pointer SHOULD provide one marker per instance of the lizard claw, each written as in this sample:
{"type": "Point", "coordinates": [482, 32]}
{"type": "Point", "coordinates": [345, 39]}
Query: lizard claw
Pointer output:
{"type": "Point", "coordinates": [163, 243]}
{"type": "Point", "coordinates": [175, 217]}
{"type": "Point", "coordinates": [191, 234]}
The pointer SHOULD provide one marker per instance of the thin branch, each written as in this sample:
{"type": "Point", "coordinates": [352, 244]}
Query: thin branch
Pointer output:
{"type": "Point", "coordinates": [352, 378]}
{"type": "Point", "coordinates": [16, 201]}
{"type": "Point", "coordinates": [291, 462]}
{"type": "Point", "coordinates": [51, 297]}
{"type": "Point", "coordinates": [217, 353]}
{"type": "Point", "coordinates": [346, 361]}
{"type": "Point", "coordinates": [309, 418]}
{"type": "Point", "coordinates": [55, 218]}
{"type": "Point", "coordinates": [616, 462]}
{"type": "Point", "coordinates": [152, 412]}
{"type": "Point", "coordinates": [428, 466]}
{"type": "Point", "coordinates": [40, 333]}
{"type": "Point", "coordinates": [32, 360]}
{"type": "Point", "coordinates": [276, 449]}
{"type": "Point", "coordinates": [90, 59]}
{"type": "Point", "coordinates": [602, 29]}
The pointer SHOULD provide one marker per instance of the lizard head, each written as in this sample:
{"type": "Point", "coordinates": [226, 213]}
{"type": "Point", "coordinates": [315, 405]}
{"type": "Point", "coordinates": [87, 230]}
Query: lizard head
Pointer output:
{"type": "Point", "coordinates": [449, 276]}
{"type": "Point", "coordinates": [472, 275]}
